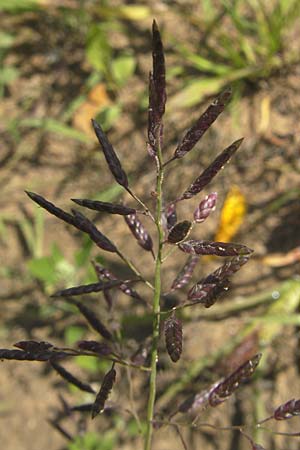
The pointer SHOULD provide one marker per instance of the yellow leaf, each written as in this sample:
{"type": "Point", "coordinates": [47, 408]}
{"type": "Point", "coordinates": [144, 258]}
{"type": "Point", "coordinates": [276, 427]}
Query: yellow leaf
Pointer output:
{"type": "Point", "coordinates": [232, 215]}
{"type": "Point", "coordinates": [135, 12]}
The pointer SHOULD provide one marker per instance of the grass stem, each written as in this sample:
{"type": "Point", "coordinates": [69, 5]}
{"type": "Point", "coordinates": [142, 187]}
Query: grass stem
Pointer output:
{"type": "Point", "coordinates": [156, 301]}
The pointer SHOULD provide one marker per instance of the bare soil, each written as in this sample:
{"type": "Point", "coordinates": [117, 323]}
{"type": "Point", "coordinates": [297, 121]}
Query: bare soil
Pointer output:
{"type": "Point", "coordinates": [267, 170]}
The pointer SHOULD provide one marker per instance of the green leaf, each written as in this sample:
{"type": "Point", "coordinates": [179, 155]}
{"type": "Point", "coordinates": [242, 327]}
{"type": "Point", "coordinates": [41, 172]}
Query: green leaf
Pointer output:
{"type": "Point", "coordinates": [108, 116]}
{"type": "Point", "coordinates": [109, 194]}
{"type": "Point", "coordinates": [98, 50]}
{"type": "Point", "coordinates": [82, 256]}
{"type": "Point", "coordinates": [73, 334]}
{"type": "Point", "coordinates": [54, 126]}
{"type": "Point", "coordinates": [95, 441]}
{"type": "Point", "coordinates": [203, 64]}
{"type": "Point", "coordinates": [14, 6]}
{"type": "Point", "coordinates": [135, 429]}
{"type": "Point", "coordinates": [6, 39]}
{"type": "Point", "coordinates": [123, 68]}
{"type": "Point", "coordinates": [209, 10]}
{"type": "Point", "coordinates": [3, 229]}
{"type": "Point", "coordinates": [197, 89]}
{"type": "Point", "coordinates": [65, 271]}
{"type": "Point", "coordinates": [8, 74]}
{"type": "Point", "coordinates": [56, 253]}
{"type": "Point", "coordinates": [42, 269]}
{"type": "Point", "coordinates": [88, 363]}
{"type": "Point", "coordinates": [282, 310]}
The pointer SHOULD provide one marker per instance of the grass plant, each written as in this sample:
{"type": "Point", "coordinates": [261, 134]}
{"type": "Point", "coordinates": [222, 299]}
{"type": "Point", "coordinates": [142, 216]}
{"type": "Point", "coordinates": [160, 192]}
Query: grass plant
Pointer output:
{"type": "Point", "coordinates": [149, 293]}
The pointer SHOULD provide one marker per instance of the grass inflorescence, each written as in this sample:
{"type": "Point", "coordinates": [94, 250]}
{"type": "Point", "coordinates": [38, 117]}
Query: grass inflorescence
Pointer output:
{"type": "Point", "coordinates": [112, 345]}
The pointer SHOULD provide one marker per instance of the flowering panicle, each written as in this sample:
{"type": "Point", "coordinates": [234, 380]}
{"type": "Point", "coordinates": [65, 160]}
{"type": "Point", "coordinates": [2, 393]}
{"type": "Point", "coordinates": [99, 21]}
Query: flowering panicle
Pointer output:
{"type": "Point", "coordinates": [135, 342]}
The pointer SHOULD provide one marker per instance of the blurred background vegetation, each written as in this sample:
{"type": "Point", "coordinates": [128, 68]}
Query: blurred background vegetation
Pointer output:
{"type": "Point", "coordinates": [65, 62]}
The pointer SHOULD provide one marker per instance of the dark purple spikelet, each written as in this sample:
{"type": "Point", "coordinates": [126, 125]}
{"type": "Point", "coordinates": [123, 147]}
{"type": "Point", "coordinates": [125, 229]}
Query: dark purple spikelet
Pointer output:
{"type": "Point", "coordinates": [86, 289]}
{"type": "Point", "coordinates": [66, 375]}
{"type": "Point", "coordinates": [33, 346]}
{"type": "Point", "coordinates": [185, 273]}
{"type": "Point", "coordinates": [205, 207]}
{"type": "Point", "coordinates": [173, 337]}
{"type": "Point", "coordinates": [21, 355]}
{"type": "Point", "coordinates": [230, 267]}
{"type": "Point", "coordinates": [157, 92]}
{"type": "Point", "coordinates": [139, 232]}
{"type": "Point", "coordinates": [85, 407]}
{"type": "Point", "coordinates": [179, 232]}
{"type": "Point", "coordinates": [287, 410]}
{"type": "Point", "coordinates": [110, 156]}
{"type": "Point", "coordinates": [208, 292]}
{"type": "Point", "coordinates": [159, 70]}
{"type": "Point", "coordinates": [111, 208]}
{"type": "Point", "coordinates": [84, 224]}
{"type": "Point", "coordinates": [195, 247]}
{"type": "Point", "coordinates": [153, 120]}
{"type": "Point", "coordinates": [101, 348]}
{"type": "Point", "coordinates": [106, 387]}
{"type": "Point", "coordinates": [104, 273]}
{"type": "Point", "coordinates": [78, 220]}
{"type": "Point", "coordinates": [241, 353]}
{"type": "Point", "coordinates": [101, 274]}
{"type": "Point", "coordinates": [230, 384]}
{"type": "Point", "coordinates": [209, 289]}
{"type": "Point", "coordinates": [51, 208]}
{"type": "Point", "coordinates": [195, 133]}
{"type": "Point", "coordinates": [211, 171]}
{"type": "Point", "coordinates": [171, 215]}
{"type": "Point", "coordinates": [93, 320]}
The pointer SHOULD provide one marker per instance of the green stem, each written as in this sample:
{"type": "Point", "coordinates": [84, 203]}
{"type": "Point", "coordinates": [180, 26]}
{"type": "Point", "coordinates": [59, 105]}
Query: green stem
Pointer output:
{"type": "Point", "coordinates": [156, 304]}
{"type": "Point", "coordinates": [146, 209]}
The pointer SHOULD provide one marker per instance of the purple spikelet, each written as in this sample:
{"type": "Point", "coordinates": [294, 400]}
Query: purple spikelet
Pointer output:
{"type": "Point", "coordinates": [195, 247]}
{"type": "Point", "coordinates": [209, 289]}
{"type": "Point", "coordinates": [195, 133]}
{"type": "Point", "coordinates": [205, 207]}
{"type": "Point", "coordinates": [173, 337]}
{"type": "Point", "coordinates": [287, 410]}
{"type": "Point", "coordinates": [106, 387]}
{"type": "Point", "coordinates": [211, 171]}
{"type": "Point", "coordinates": [230, 384]}
{"type": "Point", "coordinates": [185, 273]}
{"type": "Point", "coordinates": [139, 232]}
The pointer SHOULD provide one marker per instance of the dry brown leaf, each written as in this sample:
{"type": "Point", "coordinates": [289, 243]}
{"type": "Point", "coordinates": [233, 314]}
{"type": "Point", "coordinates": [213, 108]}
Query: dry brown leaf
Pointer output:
{"type": "Point", "coordinates": [97, 99]}
{"type": "Point", "coordinates": [282, 259]}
